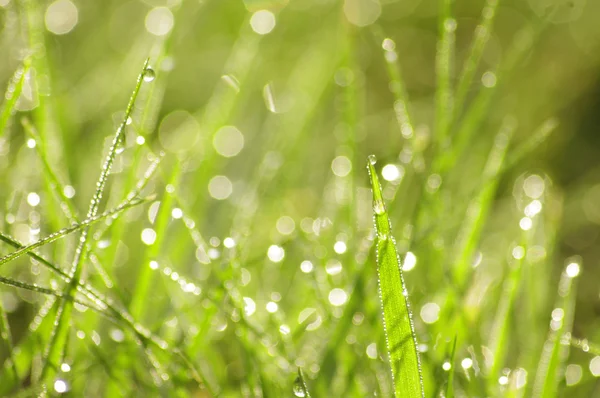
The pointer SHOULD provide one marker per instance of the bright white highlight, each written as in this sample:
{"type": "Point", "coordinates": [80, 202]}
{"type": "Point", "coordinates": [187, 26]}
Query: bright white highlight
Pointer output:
{"type": "Point", "coordinates": [341, 166]}
{"type": "Point", "coordinates": [159, 21]}
{"type": "Point", "coordinates": [410, 260]}
{"type": "Point", "coordinates": [262, 22]}
{"type": "Point", "coordinates": [340, 247]}
{"type": "Point", "coordinates": [572, 270]}
{"type": "Point", "coordinates": [249, 306]}
{"type": "Point", "coordinates": [306, 266]}
{"type": "Point", "coordinates": [220, 187]}
{"type": "Point", "coordinates": [337, 297]}
{"type": "Point", "coordinates": [148, 236]}
{"type": "Point", "coordinates": [33, 199]}
{"type": "Point", "coordinates": [275, 253]}
{"type": "Point", "coordinates": [61, 17]}
{"type": "Point", "coordinates": [228, 141]}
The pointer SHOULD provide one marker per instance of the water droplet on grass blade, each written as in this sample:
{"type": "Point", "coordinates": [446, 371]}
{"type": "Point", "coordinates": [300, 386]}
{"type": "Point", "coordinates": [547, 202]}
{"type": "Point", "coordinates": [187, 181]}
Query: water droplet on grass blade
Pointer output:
{"type": "Point", "coordinates": [372, 159]}
{"type": "Point", "coordinates": [378, 207]}
{"type": "Point", "coordinates": [149, 74]}
{"type": "Point", "coordinates": [298, 388]}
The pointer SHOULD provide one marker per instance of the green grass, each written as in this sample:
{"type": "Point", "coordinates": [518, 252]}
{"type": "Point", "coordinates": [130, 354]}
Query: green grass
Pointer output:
{"type": "Point", "coordinates": [209, 265]}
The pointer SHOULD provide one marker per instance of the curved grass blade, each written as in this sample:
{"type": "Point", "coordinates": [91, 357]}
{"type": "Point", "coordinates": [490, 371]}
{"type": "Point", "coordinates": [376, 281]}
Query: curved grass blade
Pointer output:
{"type": "Point", "coordinates": [13, 91]}
{"type": "Point", "coordinates": [554, 353]}
{"type": "Point", "coordinates": [397, 317]}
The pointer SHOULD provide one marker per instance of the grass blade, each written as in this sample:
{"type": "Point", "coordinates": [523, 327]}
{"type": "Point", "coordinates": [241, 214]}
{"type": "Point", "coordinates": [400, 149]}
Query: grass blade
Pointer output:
{"type": "Point", "coordinates": [6, 336]}
{"type": "Point", "coordinates": [554, 353]}
{"type": "Point", "coordinates": [452, 360]}
{"type": "Point", "coordinates": [73, 228]}
{"type": "Point", "coordinates": [60, 332]}
{"type": "Point", "coordinates": [534, 141]}
{"type": "Point", "coordinates": [44, 290]}
{"type": "Point", "coordinates": [397, 316]}
{"type": "Point", "coordinates": [13, 91]}
{"type": "Point", "coordinates": [443, 71]}
{"type": "Point", "coordinates": [479, 208]}
{"type": "Point", "coordinates": [482, 35]}
{"type": "Point", "coordinates": [139, 298]}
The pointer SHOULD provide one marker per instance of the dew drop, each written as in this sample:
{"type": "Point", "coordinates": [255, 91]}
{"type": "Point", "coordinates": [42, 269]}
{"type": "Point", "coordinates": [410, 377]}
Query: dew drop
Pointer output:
{"type": "Point", "coordinates": [378, 207]}
{"type": "Point", "coordinates": [298, 388]}
{"type": "Point", "coordinates": [149, 74]}
{"type": "Point", "coordinates": [372, 159]}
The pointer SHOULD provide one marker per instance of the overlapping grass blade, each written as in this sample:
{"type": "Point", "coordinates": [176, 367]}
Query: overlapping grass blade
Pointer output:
{"type": "Point", "coordinates": [451, 371]}
{"type": "Point", "coordinates": [73, 228]}
{"type": "Point", "coordinates": [397, 316]}
{"type": "Point", "coordinates": [6, 336]}
{"type": "Point", "coordinates": [139, 299]}
{"type": "Point", "coordinates": [44, 290]}
{"type": "Point", "coordinates": [537, 138]}
{"type": "Point", "coordinates": [444, 64]}
{"type": "Point", "coordinates": [51, 179]}
{"type": "Point", "coordinates": [482, 34]}
{"type": "Point", "coordinates": [114, 311]}
{"type": "Point", "coordinates": [59, 335]}
{"type": "Point", "coordinates": [501, 326]}
{"type": "Point", "coordinates": [478, 209]}
{"type": "Point", "coordinates": [554, 353]}
{"type": "Point", "coordinates": [13, 91]}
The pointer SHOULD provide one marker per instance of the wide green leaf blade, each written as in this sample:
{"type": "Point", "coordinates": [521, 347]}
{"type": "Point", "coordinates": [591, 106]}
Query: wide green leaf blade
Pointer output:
{"type": "Point", "coordinates": [397, 316]}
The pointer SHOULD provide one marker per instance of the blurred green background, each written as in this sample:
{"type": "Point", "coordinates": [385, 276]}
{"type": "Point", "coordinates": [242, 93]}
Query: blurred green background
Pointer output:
{"type": "Point", "coordinates": [304, 88]}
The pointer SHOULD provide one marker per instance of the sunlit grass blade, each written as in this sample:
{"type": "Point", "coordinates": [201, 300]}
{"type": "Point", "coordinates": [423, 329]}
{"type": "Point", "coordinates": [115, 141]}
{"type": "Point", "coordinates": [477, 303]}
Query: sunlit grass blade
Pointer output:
{"type": "Point", "coordinates": [397, 86]}
{"type": "Point", "coordinates": [397, 316]}
{"type": "Point", "coordinates": [7, 339]}
{"type": "Point", "coordinates": [451, 371]}
{"type": "Point", "coordinates": [479, 207]}
{"type": "Point", "coordinates": [476, 112]}
{"type": "Point", "coordinates": [583, 344]}
{"type": "Point", "coordinates": [144, 279]}
{"type": "Point", "coordinates": [13, 91]}
{"type": "Point", "coordinates": [113, 310]}
{"type": "Point", "coordinates": [51, 179]}
{"type": "Point", "coordinates": [480, 39]}
{"type": "Point", "coordinates": [57, 343]}
{"type": "Point", "coordinates": [444, 64]}
{"type": "Point", "coordinates": [29, 347]}
{"type": "Point", "coordinates": [501, 327]}
{"type": "Point", "coordinates": [300, 388]}
{"type": "Point", "coordinates": [44, 290]}
{"type": "Point", "coordinates": [537, 138]}
{"type": "Point", "coordinates": [554, 353]}
{"type": "Point", "coordinates": [73, 228]}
